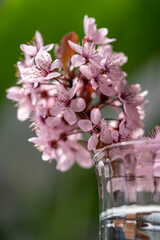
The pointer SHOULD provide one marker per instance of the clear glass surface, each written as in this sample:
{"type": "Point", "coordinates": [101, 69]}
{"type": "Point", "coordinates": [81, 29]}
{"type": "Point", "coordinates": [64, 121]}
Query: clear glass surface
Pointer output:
{"type": "Point", "coordinates": [128, 177]}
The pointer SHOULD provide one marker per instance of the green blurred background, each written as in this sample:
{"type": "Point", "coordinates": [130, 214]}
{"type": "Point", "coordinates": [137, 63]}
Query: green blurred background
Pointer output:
{"type": "Point", "coordinates": [36, 201]}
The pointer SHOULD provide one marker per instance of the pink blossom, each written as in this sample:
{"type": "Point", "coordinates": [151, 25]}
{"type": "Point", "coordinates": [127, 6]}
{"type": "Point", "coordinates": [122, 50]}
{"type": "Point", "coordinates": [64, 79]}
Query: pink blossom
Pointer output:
{"type": "Point", "coordinates": [111, 62]}
{"type": "Point", "coordinates": [32, 49]}
{"type": "Point", "coordinates": [47, 139]}
{"type": "Point", "coordinates": [55, 145]}
{"type": "Point", "coordinates": [70, 152]}
{"type": "Point", "coordinates": [98, 36]}
{"type": "Point", "coordinates": [133, 101]}
{"type": "Point", "coordinates": [64, 103]}
{"type": "Point", "coordinates": [132, 95]}
{"type": "Point", "coordinates": [43, 69]}
{"type": "Point", "coordinates": [97, 79]}
{"type": "Point", "coordinates": [86, 53]}
{"type": "Point", "coordinates": [41, 118]}
{"type": "Point", "coordinates": [98, 127]}
{"type": "Point", "coordinates": [23, 102]}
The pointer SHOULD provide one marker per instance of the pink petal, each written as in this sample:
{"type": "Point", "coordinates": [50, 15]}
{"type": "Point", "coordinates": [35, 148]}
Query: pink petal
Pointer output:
{"type": "Point", "coordinates": [99, 36]}
{"type": "Point", "coordinates": [105, 134]}
{"type": "Point", "coordinates": [95, 115]}
{"type": "Point", "coordinates": [103, 62]}
{"type": "Point", "coordinates": [28, 49]}
{"type": "Point", "coordinates": [106, 90]}
{"type": "Point", "coordinates": [92, 143]}
{"type": "Point", "coordinates": [83, 158]}
{"type": "Point", "coordinates": [75, 47]}
{"type": "Point", "coordinates": [29, 72]}
{"type": "Point", "coordinates": [73, 91]}
{"type": "Point", "coordinates": [120, 59]}
{"type": "Point", "coordinates": [70, 116]}
{"type": "Point", "coordinates": [77, 60]}
{"type": "Point", "coordinates": [85, 24]}
{"type": "Point", "coordinates": [94, 69]}
{"type": "Point", "coordinates": [47, 47]}
{"type": "Point", "coordinates": [133, 115]}
{"type": "Point", "coordinates": [106, 137]}
{"type": "Point", "coordinates": [65, 160]}
{"type": "Point", "coordinates": [78, 104]}
{"type": "Point", "coordinates": [109, 40]}
{"type": "Point", "coordinates": [14, 93]}
{"type": "Point", "coordinates": [24, 111]}
{"type": "Point", "coordinates": [107, 51]}
{"type": "Point", "coordinates": [52, 75]}
{"type": "Point", "coordinates": [89, 27]}
{"type": "Point", "coordinates": [56, 64]}
{"type": "Point", "coordinates": [56, 109]}
{"type": "Point", "coordinates": [53, 121]}
{"type": "Point", "coordinates": [96, 60]}
{"type": "Point", "coordinates": [43, 60]}
{"type": "Point", "coordinates": [85, 125]}
{"type": "Point", "coordinates": [115, 135]}
{"type": "Point", "coordinates": [39, 40]}
{"type": "Point", "coordinates": [46, 154]}
{"type": "Point", "coordinates": [37, 141]}
{"type": "Point", "coordinates": [33, 96]}
{"type": "Point", "coordinates": [42, 111]}
{"type": "Point", "coordinates": [122, 126]}
{"type": "Point", "coordinates": [60, 88]}
{"type": "Point", "coordinates": [103, 31]}
{"type": "Point", "coordinates": [85, 70]}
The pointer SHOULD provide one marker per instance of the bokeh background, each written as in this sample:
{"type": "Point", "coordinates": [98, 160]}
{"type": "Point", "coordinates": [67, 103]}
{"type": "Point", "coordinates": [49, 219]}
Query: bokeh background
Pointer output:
{"type": "Point", "coordinates": [36, 201]}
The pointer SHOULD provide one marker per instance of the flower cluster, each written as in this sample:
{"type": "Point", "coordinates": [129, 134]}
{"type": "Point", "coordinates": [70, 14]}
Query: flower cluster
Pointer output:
{"type": "Point", "coordinates": [65, 93]}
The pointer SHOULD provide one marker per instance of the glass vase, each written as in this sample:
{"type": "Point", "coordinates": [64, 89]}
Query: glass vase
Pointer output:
{"type": "Point", "coordinates": [128, 177]}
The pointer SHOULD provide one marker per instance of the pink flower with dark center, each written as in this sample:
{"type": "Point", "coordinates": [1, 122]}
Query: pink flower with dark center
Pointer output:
{"type": "Point", "coordinates": [41, 118]}
{"type": "Point", "coordinates": [64, 103]}
{"type": "Point", "coordinates": [97, 36]}
{"type": "Point", "coordinates": [97, 79]}
{"type": "Point", "coordinates": [46, 142]}
{"type": "Point", "coordinates": [86, 53]}
{"type": "Point", "coordinates": [43, 69]}
{"type": "Point", "coordinates": [111, 62]}
{"type": "Point", "coordinates": [98, 127]}
{"type": "Point", "coordinates": [47, 139]}
{"type": "Point", "coordinates": [132, 95]}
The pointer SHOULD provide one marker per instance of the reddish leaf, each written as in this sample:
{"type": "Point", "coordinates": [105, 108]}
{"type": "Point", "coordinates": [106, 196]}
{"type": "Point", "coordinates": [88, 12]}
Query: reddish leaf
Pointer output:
{"type": "Point", "coordinates": [66, 52]}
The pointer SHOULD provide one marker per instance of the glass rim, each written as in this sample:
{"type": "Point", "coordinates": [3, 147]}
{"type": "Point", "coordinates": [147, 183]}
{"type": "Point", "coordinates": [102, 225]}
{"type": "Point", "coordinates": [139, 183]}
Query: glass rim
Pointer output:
{"type": "Point", "coordinates": [126, 143]}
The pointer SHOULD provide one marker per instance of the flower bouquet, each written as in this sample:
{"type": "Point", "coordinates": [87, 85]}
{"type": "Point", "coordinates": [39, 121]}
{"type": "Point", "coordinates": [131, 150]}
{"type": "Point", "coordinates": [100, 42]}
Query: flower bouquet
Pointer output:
{"type": "Point", "coordinates": [80, 104]}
